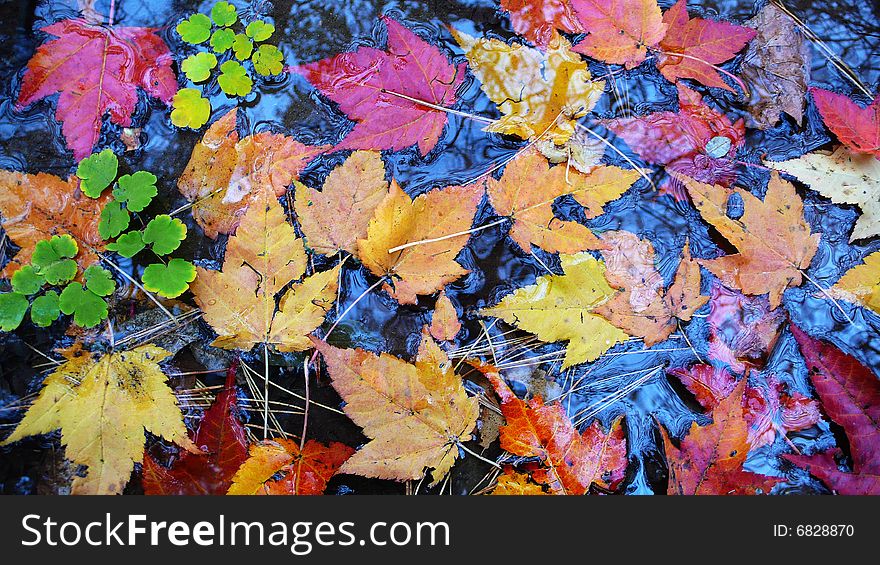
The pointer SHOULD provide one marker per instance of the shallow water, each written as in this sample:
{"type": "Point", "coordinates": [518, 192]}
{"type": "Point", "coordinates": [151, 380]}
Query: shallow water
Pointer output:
{"type": "Point", "coordinates": [312, 30]}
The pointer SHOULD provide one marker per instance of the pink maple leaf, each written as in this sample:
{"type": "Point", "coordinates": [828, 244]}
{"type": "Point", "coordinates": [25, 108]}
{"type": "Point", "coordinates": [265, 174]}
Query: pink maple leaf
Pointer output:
{"type": "Point", "coordinates": [856, 127]}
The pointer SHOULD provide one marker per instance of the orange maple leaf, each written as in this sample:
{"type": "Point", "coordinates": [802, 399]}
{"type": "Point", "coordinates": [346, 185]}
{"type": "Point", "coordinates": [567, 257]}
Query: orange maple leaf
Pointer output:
{"type": "Point", "coordinates": [303, 472]}
{"type": "Point", "coordinates": [620, 31]}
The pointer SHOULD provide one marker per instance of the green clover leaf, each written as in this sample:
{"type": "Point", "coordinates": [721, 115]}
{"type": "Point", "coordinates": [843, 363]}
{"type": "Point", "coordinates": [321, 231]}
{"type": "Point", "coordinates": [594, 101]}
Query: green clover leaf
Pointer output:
{"type": "Point", "coordinates": [45, 309]}
{"type": "Point", "coordinates": [234, 80]}
{"type": "Point", "coordinates": [268, 60]}
{"type": "Point", "coordinates": [99, 280]}
{"type": "Point", "coordinates": [164, 233]}
{"type": "Point", "coordinates": [128, 244]}
{"type": "Point", "coordinates": [222, 40]}
{"type": "Point", "coordinates": [197, 68]}
{"type": "Point", "coordinates": [88, 308]}
{"type": "Point", "coordinates": [12, 309]}
{"type": "Point", "coordinates": [224, 14]}
{"type": "Point", "coordinates": [169, 280]}
{"type": "Point", "coordinates": [114, 220]}
{"type": "Point", "coordinates": [242, 47]}
{"type": "Point", "coordinates": [53, 258]}
{"type": "Point", "coordinates": [27, 280]}
{"type": "Point", "coordinates": [196, 29]}
{"type": "Point", "coordinates": [137, 190]}
{"type": "Point", "coordinates": [190, 109]}
{"type": "Point", "coordinates": [259, 30]}
{"type": "Point", "coordinates": [96, 172]}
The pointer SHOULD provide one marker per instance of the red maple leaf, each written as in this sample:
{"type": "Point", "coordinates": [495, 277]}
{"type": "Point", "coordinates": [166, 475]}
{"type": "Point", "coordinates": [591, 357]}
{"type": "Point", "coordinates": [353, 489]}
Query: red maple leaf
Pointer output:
{"type": "Point", "coordinates": [96, 70]}
{"type": "Point", "coordinates": [222, 438]}
{"type": "Point", "coordinates": [620, 31]}
{"type": "Point", "coordinates": [311, 469]}
{"type": "Point", "coordinates": [850, 395]}
{"type": "Point", "coordinates": [679, 140]}
{"type": "Point", "coordinates": [538, 20]}
{"type": "Point", "coordinates": [362, 84]}
{"type": "Point", "coordinates": [692, 46]}
{"type": "Point", "coordinates": [856, 127]}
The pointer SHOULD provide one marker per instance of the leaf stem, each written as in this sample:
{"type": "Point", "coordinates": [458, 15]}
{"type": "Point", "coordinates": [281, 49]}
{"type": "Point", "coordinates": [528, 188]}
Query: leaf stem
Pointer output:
{"type": "Point", "coordinates": [149, 294]}
{"type": "Point", "coordinates": [728, 74]}
{"type": "Point", "coordinates": [477, 455]}
{"type": "Point", "coordinates": [448, 236]}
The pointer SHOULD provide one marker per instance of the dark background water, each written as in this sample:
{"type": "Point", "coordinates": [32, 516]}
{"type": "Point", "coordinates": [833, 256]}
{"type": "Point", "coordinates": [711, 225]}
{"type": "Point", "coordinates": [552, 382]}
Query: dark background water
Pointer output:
{"type": "Point", "coordinates": [314, 29]}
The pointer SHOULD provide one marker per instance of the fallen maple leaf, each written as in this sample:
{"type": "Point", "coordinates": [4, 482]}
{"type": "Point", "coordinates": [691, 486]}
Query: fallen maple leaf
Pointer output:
{"type": "Point", "coordinates": [103, 407]}
{"type": "Point", "coordinates": [223, 443]}
{"type": "Point", "coordinates": [850, 395]}
{"type": "Point", "coordinates": [538, 20]}
{"type": "Point", "coordinates": [303, 472]}
{"type": "Point", "coordinates": [742, 329]}
{"type": "Point", "coordinates": [682, 141]}
{"type": "Point", "coordinates": [336, 217]}
{"type": "Point", "coordinates": [526, 192]}
{"type": "Point", "coordinates": [570, 461]}
{"type": "Point", "coordinates": [856, 127]}
{"type": "Point", "coordinates": [620, 31]}
{"type": "Point", "coordinates": [226, 174]}
{"type": "Point", "coordinates": [444, 321]}
{"type": "Point", "coordinates": [261, 259]}
{"type": "Point", "coordinates": [96, 70]}
{"type": "Point", "coordinates": [861, 284]}
{"type": "Point", "coordinates": [431, 218]}
{"type": "Point", "coordinates": [539, 93]}
{"type": "Point", "coordinates": [363, 83]}
{"type": "Point", "coordinates": [692, 46]}
{"type": "Point", "coordinates": [416, 415]}
{"type": "Point", "coordinates": [772, 236]}
{"type": "Point", "coordinates": [517, 484]}
{"type": "Point", "coordinates": [643, 309]}
{"type": "Point", "coordinates": [776, 67]}
{"type": "Point", "coordinates": [562, 308]}
{"type": "Point", "coordinates": [846, 178]}
{"type": "Point", "coordinates": [710, 458]}
{"type": "Point", "coordinates": [36, 207]}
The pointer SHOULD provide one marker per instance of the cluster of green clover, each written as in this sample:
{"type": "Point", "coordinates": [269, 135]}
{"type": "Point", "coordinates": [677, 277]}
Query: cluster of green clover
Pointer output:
{"type": "Point", "coordinates": [190, 109]}
{"type": "Point", "coordinates": [53, 264]}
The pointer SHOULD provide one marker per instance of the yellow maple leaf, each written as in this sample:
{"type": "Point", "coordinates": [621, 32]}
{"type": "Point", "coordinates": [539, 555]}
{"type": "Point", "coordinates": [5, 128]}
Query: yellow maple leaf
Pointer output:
{"type": "Point", "coordinates": [560, 308]}
{"type": "Point", "coordinates": [261, 258]}
{"type": "Point", "coordinates": [844, 177]}
{"type": "Point", "coordinates": [102, 408]}
{"type": "Point", "coordinates": [429, 265]}
{"type": "Point", "coordinates": [514, 483]}
{"type": "Point", "coordinates": [335, 217]}
{"type": "Point", "coordinates": [417, 414]}
{"type": "Point", "coordinates": [536, 91]}
{"type": "Point", "coordinates": [861, 284]}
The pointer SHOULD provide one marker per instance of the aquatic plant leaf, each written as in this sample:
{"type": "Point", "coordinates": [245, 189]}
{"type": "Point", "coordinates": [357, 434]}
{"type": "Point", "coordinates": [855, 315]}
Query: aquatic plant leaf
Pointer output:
{"type": "Point", "coordinates": [36, 207]}
{"type": "Point", "coordinates": [88, 309]}
{"type": "Point", "coordinates": [45, 309]}
{"type": "Point", "coordinates": [223, 446]}
{"type": "Point", "coordinates": [261, 259]}
{"type": "Point", "coordinates": [334, 218]}
{"type": "Point", "coordinates": [850, 395]}
{"type": "Point", "coordinates": [110, 63]}
{"type": "Point", "coordinates": [776, 68]}
{"type": "Point", "coordinates": [99, 280]}
{"type": "Point", "coordinates": [445, 324]}
{"type": "Point", "coordinates": [526, 192]}
{"type": "Point", "coordinates": [773, 238]}
{"type": "Point", "coordinates": [562, 308]}
{"type": "Point", "coordinates": [190, 109]}
{"type": "Point", "coordinates": [198, 67]}
{"type": "Point", "coordinates": [53, 258]}
{"type": "Point", "coordinates": [103, 406]}
{"type": "Point", "coordinates": [242, 46]}
{"type": "Point", "coordinates": [692, 45]}
{"type": "Point", "coordinates": [416, 414]}
{"type": "Point", "coordinates": [856, 127]}
{"type": "Point", "coordinates": [860, 284]}
{"type": "Point", "coordinates": [96, 172]}
{"type": "Point", "coordinates": [225, 173]}
{"type": "Point", "coordinates": [222, 40]}
{"type": "Point", "coordinates": [169, 280]}
{"type": "Point", "coordinates": [642, 308]}
{"type": "Point", "coordinates": [710, 458]}
{"type": "Point", "coordinates": [224, 14]}
{"type": "Point", "coordinates": [570, 461]}
{"type": "Point", "coordinates": [361, 83]}
{"type": "Point", "coordinates": [303, 472]}
{"type": "Point", "coordinates": [234, 80]}
{"type": "Point", "coordinates": [427, 267]}
{"type": "Point", "coordinates": [195, 29]}
{"type": "Point", "coordinates": [114, 220]}
{"type": "Point", "coordinates": [164, 234]}
{"type": "Point", "coordinates": [13, 307]}
{"type": "Point", "coordinates": [845, 177]}
{"type": "Point", "coordinates": [538, 20]}
{"type": "Point", "coordinates": [259, 30]}
{"type": "Point", "coordinates": [136, 190]}
{"type": "Point", "coordinates": [28, 281]}
{"type": "Point", "coordinates": [537, 92]}
{"type": "Point", "coordinates": [128, 244]}
{"type": "Point", "coordinates": [268, 60]}
{"type": "Point", "coordinates": [620, 31]}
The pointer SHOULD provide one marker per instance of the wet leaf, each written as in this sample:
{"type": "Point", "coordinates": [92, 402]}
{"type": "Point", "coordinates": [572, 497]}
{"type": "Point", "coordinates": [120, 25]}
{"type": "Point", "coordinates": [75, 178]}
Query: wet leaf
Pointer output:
{"type": "Point", "coordinates": [856, 127]}
{"type": "Point", "coordinates": [620, 31]}
{"type": "Point", "coordinates": [103, 406]}
{"type": "Point", "coordinates": [28, 281]}
{"type": "Point", "coordinates": [303, 472]}
{"type": "Point", "coordinates": [164, 233]}
{"type": "Point", "coordinates": [268, 60]}
{"type": "Point", "coordinates": [444, 321]}
{"type": "Point", "coordinates": [198, 67]}
{"type": "Point", "coordinates": [234, 80]}
{"type": "Point", "coordinates": [13, 307]}
{"type": "Point", "coordinates": [52, 258]}
{"type": "Point", "coordinates": [258, 30]}
{"type": "Point", "coordinates": [538, 20]}
{"type": "Point", "coordinates": [361, 83]}
{"type": "Point", "coordinates": [136, 190]}
{"type": "Point", "coordinates": [169, 280]}
{"type": "Point", "coordinates": [860, 284]}
{"type": "Point", "coordinates": [110, 63]}
{"type": "Point", "coordinates": [222, 40]}
{"type": "Point", "coordinates": [88, 309]}
{"type": "Point", "coordinates": [128, 244]}
{"type": "Point", "coordinates": [195, 29]}
{"type": "Point", "coordinates": [416, 414]}
{"type": "Point", "coordinates": [114, 220]}
{"type": "Point", "coordinates": [242, 46]}
{"type": "Point", "coordinates": [45, 309]}
{"type": "Point", "coordinates": [97, 172]}
{"type": "Point", "coordinates": [224, 14]}
{"type": "Point", "coordinates": [99, 280]}
{"type": "Point", "coordinates": [516, 484]}
{"type": "Point", "coordinates": [190, 109]}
